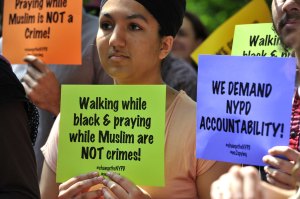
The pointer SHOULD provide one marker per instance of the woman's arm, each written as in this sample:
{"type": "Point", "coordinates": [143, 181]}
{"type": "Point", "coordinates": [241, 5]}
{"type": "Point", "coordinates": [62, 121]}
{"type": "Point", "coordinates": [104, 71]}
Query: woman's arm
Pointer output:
{"type": "Point", "coordinates": [48, 185]}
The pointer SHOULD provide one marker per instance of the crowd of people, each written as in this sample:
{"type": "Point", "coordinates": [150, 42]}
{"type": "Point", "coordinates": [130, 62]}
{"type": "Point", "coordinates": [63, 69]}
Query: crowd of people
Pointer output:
{"type": "Point", "coordinates": [111, 54]}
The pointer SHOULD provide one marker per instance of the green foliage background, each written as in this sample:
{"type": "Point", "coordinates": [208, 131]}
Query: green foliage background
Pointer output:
{"type": "Point", "coordinates": [211, 12]}
{"type": "Point", "coordinates": [214, 12]}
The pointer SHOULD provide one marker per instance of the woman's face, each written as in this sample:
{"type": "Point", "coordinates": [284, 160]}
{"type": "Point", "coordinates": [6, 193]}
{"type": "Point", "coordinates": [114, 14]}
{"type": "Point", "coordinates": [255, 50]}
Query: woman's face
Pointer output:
{"type": "Point", "coordinates": [185, 41]}
{"type": "Point", "coordinates": [128, 42]}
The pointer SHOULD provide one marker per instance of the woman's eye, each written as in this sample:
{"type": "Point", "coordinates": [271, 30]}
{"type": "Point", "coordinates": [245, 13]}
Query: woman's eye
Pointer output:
{"type": "Point", "coordinates": [105, 26]}
{"type": "Point", "coordinates": [134, 27]}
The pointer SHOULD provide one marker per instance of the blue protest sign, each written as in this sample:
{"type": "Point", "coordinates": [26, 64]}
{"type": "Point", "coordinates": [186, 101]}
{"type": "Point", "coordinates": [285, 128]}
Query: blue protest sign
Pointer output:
{"type": "Point", "coordinates": [243, 106]}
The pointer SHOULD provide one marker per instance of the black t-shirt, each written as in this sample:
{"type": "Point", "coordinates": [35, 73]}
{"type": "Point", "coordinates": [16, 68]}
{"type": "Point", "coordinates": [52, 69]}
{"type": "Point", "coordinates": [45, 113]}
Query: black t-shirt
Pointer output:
{"type": "Point", "coordinates": [18, 176]}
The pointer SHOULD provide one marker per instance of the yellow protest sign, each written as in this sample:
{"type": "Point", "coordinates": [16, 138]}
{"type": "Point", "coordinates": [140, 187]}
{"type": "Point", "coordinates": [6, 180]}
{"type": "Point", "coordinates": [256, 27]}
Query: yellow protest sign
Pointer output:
{"type": "Point", "coordinates": [119, 128]}
{"type": "Point", "coordinates": [47, 29]}
{"type": "Point", "coordinates": [220, 41]}
{"type": "Point", "coordinates": [257, 40]}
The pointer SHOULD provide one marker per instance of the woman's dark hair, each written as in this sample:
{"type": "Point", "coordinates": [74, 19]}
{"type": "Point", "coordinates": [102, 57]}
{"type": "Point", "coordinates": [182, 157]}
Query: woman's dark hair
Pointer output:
{"type": "Point", "coordinates": [198, 27]}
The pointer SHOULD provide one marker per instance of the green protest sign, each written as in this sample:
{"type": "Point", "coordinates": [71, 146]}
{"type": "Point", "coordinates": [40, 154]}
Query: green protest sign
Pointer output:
{"type": "Point", "coordinates": [117, 128]}
{"type": "Point", "coordinates": [257, 40]}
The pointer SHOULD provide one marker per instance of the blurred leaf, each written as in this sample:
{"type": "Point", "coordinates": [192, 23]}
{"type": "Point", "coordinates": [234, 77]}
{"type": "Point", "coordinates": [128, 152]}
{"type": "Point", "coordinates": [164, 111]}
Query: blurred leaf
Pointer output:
{"type": "Point", "coordinates": [214, 12]}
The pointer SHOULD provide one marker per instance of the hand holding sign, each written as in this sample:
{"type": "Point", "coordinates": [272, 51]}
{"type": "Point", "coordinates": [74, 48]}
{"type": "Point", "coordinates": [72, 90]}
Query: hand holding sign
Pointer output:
{"type": "Point", "coordinates": [116, 187]}
{"type": "Point", "coordinates": [280, 168]}
{"type": "Point", "coordinates": [78, 187]}
{"type": "Point", "coordinates": [122, 188]}
{"type": "Point", "coordinates": [41, 85]}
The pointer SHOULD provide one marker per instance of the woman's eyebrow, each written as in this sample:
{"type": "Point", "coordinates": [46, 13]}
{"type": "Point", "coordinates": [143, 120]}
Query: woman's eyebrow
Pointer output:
{"type": "Point", "coordinates": [106, 15]}
{"type": "Point", "coordinates": [137, 16]}
{"type": "Point", "coordinates": [133, 16]}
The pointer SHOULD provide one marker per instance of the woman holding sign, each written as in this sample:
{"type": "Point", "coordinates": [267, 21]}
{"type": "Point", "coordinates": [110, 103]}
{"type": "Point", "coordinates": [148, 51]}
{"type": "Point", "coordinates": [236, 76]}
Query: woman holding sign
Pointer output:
{"type": "Point", "coordinates": [133, 39]}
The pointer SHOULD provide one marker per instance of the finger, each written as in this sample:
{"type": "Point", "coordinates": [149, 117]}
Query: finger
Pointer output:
{"type": "Point", "coordinates": [26, 88]}
{"type": "Point", "coordinates": [37, 63]}
{"type": "Point", "coordinates": [123, 182]}
{"type": "Point", "coordinates": [79, 188]}
{"type": "Point", "coordinates": [31, 94]}
{"type": "Point", "coordinates": [296, 171]}
{"type": "Point", "coordinates": [90, 195]}
{"type": "Point", "coordinates": [34, 73]}
{"type": "Point", "coordinates": [115, 187]}
{"type": "Point", "coordinates": [251, 188]}
{"type": "Point", "coordinates": [79, 178]}
{"type": "Point", "coordinates": [279, 176]}
{"type": "Point", "coordinates": [284, 151]}
{"type": "Point", "coordinates": [29, 81]}
{"type": "Point", "coordinates": [107, 194]}
{"type": "Point", "coordinates": [277, 183]}
{"type": "Point", "coordinates": [281, 164]}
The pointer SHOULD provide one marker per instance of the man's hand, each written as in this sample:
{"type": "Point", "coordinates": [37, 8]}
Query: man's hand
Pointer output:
{"type": "Point", "coordinates": [41, 85]}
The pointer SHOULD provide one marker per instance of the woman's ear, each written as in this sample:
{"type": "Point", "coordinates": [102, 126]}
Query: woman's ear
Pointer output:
{"type": "Point", "coordinates": [166, 46]}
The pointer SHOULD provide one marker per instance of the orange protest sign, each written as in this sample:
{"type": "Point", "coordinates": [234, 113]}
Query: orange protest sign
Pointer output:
{"type": "Point", "coordinates": [48, 29]}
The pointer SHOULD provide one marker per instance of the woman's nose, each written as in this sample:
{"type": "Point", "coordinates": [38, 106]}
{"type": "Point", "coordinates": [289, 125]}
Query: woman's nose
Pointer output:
{"type": "Point", "coordinates": [118, 37]}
